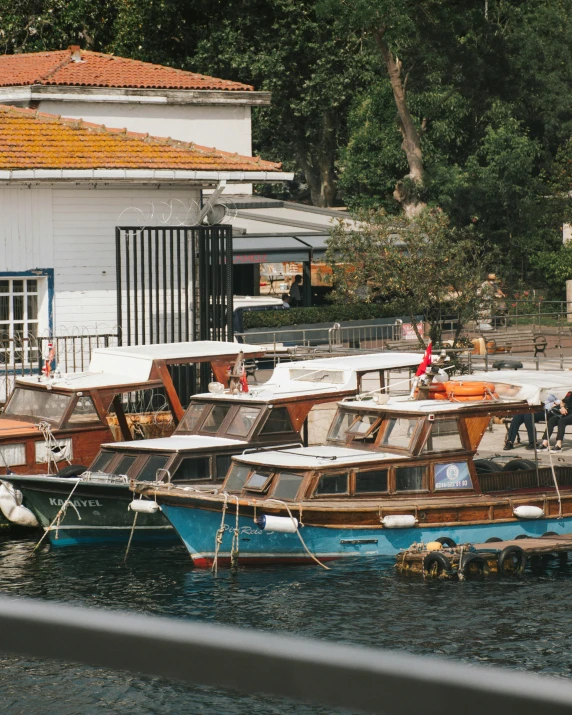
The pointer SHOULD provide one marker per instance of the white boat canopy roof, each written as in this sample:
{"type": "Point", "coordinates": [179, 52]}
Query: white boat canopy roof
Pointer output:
{"type": "Point", "coordinates": [315, 457]}
{"type": "Point", "coordinates": [177, 443]}
{"type": "Point", "coordinates": [320, 377]}
{"type": "Point", "coordinates": [133, 365]}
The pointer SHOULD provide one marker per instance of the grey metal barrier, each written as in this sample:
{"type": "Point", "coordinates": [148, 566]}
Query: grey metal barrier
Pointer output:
{"type": "Point", "coordinates": [364, 679]}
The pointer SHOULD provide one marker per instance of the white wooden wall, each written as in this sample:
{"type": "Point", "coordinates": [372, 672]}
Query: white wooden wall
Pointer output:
{"type": "Point", "coordinates": [72, 230]}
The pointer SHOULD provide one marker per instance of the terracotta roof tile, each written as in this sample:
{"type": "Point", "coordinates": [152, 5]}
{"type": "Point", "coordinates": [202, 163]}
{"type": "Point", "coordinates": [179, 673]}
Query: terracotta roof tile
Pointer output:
{"type": "Point", "coordinates": [32, 140]}
{"type": "Point", "coordinates": [98, 70]}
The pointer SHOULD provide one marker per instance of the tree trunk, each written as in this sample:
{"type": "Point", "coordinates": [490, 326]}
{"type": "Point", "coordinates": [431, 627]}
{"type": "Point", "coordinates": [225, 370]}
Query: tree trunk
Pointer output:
{"type": "Point", "coordinates": [318, 164]}
{"type": "Point", "coordinates": [405, 191]}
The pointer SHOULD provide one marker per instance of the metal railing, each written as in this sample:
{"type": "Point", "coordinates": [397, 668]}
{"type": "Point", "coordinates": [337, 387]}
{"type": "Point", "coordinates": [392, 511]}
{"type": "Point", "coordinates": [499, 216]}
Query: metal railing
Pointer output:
{"type": "Point", "coordinates": [25, 355]}
{"type": "Point", "coordinates": [332, 674]}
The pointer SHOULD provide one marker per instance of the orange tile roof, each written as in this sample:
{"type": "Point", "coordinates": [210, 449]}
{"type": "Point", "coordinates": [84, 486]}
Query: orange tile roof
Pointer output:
{"type": "Point", "coordinates": [98, 70]}
{"type": "Point", "coordinates": [32, 140]}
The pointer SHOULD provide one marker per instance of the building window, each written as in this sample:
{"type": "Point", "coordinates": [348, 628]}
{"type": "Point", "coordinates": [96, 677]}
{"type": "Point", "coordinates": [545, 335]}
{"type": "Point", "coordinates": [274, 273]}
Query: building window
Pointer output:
{"type": "Point", "coordinates": [19, 319]}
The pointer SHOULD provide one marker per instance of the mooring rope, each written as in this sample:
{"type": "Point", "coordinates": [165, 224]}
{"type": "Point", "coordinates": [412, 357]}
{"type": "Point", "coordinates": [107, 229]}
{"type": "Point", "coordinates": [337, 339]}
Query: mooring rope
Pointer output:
{"type": "Point", "coordinates": [131, 536]}
{"type": "Point", "coordinates": [552, 469]}
{"type": "Point", "coordinates": [61, 513]}
{"type": "Point", "coordinates": [327, 568]}
{"type": "Point", "coordinates": [219, 535]}
{"type": "Point", "coordinates": [234, 549]}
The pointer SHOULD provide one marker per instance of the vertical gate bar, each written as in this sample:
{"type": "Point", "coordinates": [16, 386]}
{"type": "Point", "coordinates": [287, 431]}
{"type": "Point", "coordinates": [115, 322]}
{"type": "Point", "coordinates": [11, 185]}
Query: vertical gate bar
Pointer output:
{"type": "Point", "coordinates": [164, 237]}
{"type": "Point", "coordinates": [187, 307]}
{"type": "Point", "coordinates": [135, 290]}
{"type": "Point", "coordinates": [214, 291]}
{"type": "Point", "coordinates": [150, 282]}
{"type": "Point", "coordinates": [172, 276]}
{"type": "Point", "coordinates": [157, 284]}
{"type": "Point", "coordinates": [229, 284]}
{"type": "Point", "coordinates": [143, 297]}
{"type": "Point", "coordinates": [118, 282]}
{"type": "Point", "coordinates": [128, 283]}
{"type": "Point", "coordinates": [179, 312]}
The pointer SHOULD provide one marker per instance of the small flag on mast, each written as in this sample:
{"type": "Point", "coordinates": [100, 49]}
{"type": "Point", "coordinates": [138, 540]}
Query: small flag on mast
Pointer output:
{"type": "Point", "coordinates": [425, 362]}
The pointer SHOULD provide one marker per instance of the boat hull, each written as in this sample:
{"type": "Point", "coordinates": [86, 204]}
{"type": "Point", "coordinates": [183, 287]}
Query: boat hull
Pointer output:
{"type": "Point", "coordinates": [97, 513]}
{"type": "Point", "coordinates": [198, 528]}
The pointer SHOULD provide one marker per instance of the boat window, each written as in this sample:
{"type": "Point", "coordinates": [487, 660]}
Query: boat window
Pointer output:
{"type": "Point", "coordinates": [399, 432]}
{"type": "Point", "coordinates": [258, 481]}
{"type": "Point", "coordinates": [236, 477]}
{"type": "Point", "coordinates": [191, 469]}
{"type": "Point", "coordinates": [278, 421]}
{"type": "Point", "coordinates": [222, 464]}
{"type": "Point", "coordinates": [287, 486]}
{"type": "Point", "coordinates": [215, 418]}
{"type": "Point", "coordinates": [364, 428]}
{"type": "Point", "coordinates": [100, 463]}
{"type": "Point", "coordinates": [373, 481]}
{"type": "Point", "coordinates": [333, 484]}
{"type": "Point", "coordinates": [340, 426]}
{"type": "Point", "coordinates": [124, 464]}
{"type": "Point", "coordinates": [83, 412]}
{"type": "Point", "coordinates": [191, 418]}
{"type": "Point", "coordinates": [410, 479]}
{"type": "Point", "coordinates": [149, 471]}
{"type": "Point", "coordinates": [38, 404]}
{"type": "Point", "coordinates": [444, 436]}
{"type": "Point", "coordinates": [242, 422]}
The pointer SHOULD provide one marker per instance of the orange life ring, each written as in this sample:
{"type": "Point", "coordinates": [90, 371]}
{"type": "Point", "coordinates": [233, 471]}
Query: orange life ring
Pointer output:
{"type": "Point", "coordinates": [474, 398]}
{"type": "Point", "coordinates": [468, 389]}
{"type": "Point", "coordinates": [437, 387]}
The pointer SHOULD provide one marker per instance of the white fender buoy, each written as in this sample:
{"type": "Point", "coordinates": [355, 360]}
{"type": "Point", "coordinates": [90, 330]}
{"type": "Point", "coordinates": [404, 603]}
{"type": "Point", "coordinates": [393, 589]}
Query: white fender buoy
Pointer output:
{"type": "Point", "coordinates": [399, 521]}
{"type": "Point", "coordinates": [11, 506]}
{"type": "Point", "coordinates": [281, 524]}
{"type": "Point", "coordinates": [528, 512]}
{"type": "Point", "coordinates": [142, 506]}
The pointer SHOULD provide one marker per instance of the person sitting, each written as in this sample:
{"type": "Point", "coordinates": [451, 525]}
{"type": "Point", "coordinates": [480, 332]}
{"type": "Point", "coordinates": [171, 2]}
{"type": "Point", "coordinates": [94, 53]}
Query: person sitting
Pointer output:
{"type": "Point", "coordinates": [285, 300]}
{"type": "Point", "coordinates": [561, 417]}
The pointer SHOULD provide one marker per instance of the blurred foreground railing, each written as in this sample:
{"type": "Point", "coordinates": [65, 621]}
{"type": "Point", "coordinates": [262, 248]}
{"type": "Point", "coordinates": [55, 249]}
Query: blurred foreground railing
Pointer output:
{"type": "Point", "coordinates": [331, 674]}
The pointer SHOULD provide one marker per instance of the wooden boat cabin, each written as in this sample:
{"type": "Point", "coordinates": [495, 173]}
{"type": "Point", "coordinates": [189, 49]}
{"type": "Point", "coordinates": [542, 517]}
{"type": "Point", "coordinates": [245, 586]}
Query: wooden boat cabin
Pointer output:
{"type": "Point", "coordinates": [51, 421]}
{"type": "Point", "coordinates": [393, 472]}
{"type": "Point", "coordinates": [219, 424]}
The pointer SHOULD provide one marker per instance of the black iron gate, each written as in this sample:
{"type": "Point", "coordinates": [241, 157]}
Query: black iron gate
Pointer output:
{"type": "Point", "coordinates": [174, 284]}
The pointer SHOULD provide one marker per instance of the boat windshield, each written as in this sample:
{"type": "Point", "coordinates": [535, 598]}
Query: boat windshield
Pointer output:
{"type": "Point", "coordinates": [37, 404]}
{"type": "Point", "coordinates": [399, 432]}
{"type": "Point", "coordinates": [191, 418]}
{"type": "Point", "coordinates": [340, 426]}
{"type": "Point", "coordinates": [361, 427]}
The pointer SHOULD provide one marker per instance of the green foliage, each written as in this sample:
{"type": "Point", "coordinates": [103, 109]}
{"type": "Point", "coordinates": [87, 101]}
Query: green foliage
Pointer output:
{"type": "Point", "coordinates": [425, 267]}
{"type": "Point", "coordinates": [556, 265]}
{"type": "Point", "coordinates": [322, 314]}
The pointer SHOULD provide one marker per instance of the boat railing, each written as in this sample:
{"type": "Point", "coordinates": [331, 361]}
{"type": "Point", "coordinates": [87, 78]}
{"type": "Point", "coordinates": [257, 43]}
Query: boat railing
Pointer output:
{"type": "Point", "coordinates": [330, 674]}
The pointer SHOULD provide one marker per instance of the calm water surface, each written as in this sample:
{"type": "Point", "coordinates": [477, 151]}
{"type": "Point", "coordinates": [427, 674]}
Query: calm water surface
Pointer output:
{"type": "Point", "coordinates": [524, 624]}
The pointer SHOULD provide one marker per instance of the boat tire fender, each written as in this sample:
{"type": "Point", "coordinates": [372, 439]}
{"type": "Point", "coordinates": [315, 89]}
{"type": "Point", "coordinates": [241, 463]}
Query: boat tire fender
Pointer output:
{"type": "Point", "coordinates": [472, 560]}
{"type": "Point", "coordinates": [447, 542]}
{"type": "Point", "coordinates": [439, 561]}
{"type": "Point", "coordinates": [515, 555]}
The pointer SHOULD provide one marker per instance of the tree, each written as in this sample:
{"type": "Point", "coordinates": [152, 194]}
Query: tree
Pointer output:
{"type": "Point", "coordinates": [420, 267]}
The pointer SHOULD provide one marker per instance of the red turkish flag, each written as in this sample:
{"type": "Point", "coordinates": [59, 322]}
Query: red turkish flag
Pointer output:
{"type": "Point", "coordinates": [243, 382]}
{"type": "Point", "coordinates": [424, 364]}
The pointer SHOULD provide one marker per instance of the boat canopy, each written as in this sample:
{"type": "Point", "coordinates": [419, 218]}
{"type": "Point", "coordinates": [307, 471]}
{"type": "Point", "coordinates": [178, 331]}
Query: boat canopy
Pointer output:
{"type": "Point", "coordinates": [177, 443]}
{"type": "Point", "coordinates": [133, 365]}
{"type": "Point", "coordinates": [320, 377]}
{"type": "Point", "coordinates": [315, 457]}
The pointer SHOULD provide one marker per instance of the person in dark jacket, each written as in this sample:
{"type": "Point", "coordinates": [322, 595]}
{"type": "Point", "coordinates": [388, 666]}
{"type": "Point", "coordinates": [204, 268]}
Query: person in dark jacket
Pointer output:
{"type": "Point", "coordinates": [560, 418]}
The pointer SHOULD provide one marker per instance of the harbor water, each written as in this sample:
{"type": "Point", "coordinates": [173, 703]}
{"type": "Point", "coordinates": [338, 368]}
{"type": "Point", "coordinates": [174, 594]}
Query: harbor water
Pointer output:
{"type": "Point", "coordinates": [521, 624]}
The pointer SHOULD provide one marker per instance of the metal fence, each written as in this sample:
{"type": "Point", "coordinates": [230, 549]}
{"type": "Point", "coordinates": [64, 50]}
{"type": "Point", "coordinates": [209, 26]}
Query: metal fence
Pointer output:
{"type": "Point", "coordinates": [26, 355]}
{"type": "Point", "coordinates": [364, 679]}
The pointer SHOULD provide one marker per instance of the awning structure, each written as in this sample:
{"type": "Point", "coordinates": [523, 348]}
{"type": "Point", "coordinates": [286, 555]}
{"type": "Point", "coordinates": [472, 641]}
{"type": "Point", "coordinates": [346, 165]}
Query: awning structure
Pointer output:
{"type": "Point", "coordinates": [279, 248]}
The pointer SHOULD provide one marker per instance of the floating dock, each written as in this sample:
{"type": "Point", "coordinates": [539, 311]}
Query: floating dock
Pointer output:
{"type": "Point", "coordinates": [443, 559]}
